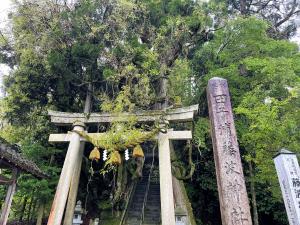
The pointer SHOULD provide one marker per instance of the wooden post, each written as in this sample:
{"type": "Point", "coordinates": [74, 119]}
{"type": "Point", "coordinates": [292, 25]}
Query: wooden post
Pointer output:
{"type": "Point", "coordinates": [40, 213]}
{"type": "Point", "coordinates": [9, 197]}
{"type": "Point", "coordinates": [165, 178]}
{"type": "Point", "coordinates": [234, 203]}
{"type": "Point", "coordinates": [62, 190]}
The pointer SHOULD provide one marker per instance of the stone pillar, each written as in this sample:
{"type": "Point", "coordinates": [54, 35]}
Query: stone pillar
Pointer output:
{"type": "Point", "coordinates": [62, 190]}
{"type": "Point", "coordinates": [165, 178]}
{"type": "Point", "coordinates": [234, 203]}
{"type": "Point", "coordinates": [288, 172]}
{"type": "Point", "coordinates": [72, 198]}
{"type": "Point", "coordinates": [71, 203]}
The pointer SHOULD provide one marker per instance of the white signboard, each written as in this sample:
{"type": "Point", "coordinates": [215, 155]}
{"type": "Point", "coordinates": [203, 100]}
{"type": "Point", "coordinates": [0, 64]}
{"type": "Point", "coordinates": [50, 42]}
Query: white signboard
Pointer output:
{"type": "Point", "coordinates": [288, 172]}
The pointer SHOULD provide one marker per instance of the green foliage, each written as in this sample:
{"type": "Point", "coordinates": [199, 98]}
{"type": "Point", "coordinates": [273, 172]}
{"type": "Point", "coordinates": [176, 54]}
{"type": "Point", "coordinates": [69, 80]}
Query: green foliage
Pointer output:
{"type": "Point", "coordinates": [271, 126]}
{"type": "Point", "coordinates": [264, 83]}
{"type": "Point", "coordinates": [120, 137]}
{"type": "Point", "coordinates": [201, 133]}
{"type": "Point", "coordinates": [180, 81]}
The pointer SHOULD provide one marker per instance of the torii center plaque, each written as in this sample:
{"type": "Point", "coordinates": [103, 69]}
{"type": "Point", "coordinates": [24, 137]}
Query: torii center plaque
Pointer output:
{"type": "Point", "coordinates": [234, 203]}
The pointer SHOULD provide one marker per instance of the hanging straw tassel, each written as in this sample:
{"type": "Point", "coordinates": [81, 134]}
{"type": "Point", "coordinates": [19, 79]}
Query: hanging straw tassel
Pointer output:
{"type": "Point", "coordinates": [115, 158]}
{"type": "Point", "coordinates": [137, 152]}
{"type": "Point", "coordinates": [95, 154]}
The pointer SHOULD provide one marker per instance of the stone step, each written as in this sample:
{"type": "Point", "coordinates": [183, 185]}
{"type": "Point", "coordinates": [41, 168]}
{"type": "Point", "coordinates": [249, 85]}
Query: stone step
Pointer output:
{"type": "Point", "coordinates": [151, 221]}
{"type": "Point", "coordinates": [154, 203]}
{"type": "Point", "coordinates": [152, 211]}
{"type": "Point", "coordinates": [154, 214]}
{"type": "Point", "coordinates": [139, 193]}
{"type": "Point", "coordinates": [132, 223]}
{"type": "Point", "coordinates": [137, 206]}
{"type": "Point", "coordinates": [141, 186]}
{"type": "Point", "coordinates": [138, 196]}
{"type": "Point", "coordinates": [152, 190]}
{"type": "Point", "coordinates": [152, 197]}
{"type": "Point", "coordinates": [141, 189]}
{"type": "Point", "coordinates": [134, 215]}
{"type": "Point", "coordinates": [154, 194]}
{"type": "Point", "coordinates": [152, 207]}
{"type": "Point", "coordinates": [148, 224]}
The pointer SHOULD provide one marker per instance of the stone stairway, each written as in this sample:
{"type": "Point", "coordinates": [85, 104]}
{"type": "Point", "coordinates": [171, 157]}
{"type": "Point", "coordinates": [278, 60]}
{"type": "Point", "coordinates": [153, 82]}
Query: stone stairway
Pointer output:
{"type": "Point", "coordinates": [152, 208]}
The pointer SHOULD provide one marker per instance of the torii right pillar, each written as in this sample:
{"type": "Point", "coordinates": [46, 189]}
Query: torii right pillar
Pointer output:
{"type": "Point", "coordinates": [234, 203]}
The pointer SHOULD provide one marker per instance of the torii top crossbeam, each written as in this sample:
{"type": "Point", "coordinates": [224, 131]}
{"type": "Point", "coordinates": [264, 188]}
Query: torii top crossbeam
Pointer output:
{"type": "Point", "coordinates": [184, 114]}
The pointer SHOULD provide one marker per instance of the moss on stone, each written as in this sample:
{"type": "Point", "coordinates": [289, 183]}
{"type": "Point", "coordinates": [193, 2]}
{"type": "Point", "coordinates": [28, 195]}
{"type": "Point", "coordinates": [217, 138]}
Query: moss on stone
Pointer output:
{"type": "Point", "coordinates": [188, 204]}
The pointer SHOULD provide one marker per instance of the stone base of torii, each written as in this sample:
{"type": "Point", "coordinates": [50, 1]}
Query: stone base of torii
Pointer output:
{"type": "Point", "coordinates": [64, 187]}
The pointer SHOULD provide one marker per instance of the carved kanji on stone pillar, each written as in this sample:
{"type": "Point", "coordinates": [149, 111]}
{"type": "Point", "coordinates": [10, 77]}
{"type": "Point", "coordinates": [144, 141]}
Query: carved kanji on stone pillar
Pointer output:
{"type": "Point", "coordinates": [234, 203]}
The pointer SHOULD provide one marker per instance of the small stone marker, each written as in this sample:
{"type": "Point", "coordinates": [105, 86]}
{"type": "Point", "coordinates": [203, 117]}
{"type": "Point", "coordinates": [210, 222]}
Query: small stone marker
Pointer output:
{"type": "Point", "coordinates": [288, 172]}
{"type": "Point", "coordinates": [77, 220]}
{"type": "Point", "coordinates": [234, 203]}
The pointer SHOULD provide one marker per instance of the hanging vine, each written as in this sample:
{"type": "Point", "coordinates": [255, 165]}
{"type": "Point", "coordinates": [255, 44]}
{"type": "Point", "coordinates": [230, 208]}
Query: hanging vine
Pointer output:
{"type": "Point", "coordinates": [119, 137]}
{"type": "Point", "coordinates": [179, 168]}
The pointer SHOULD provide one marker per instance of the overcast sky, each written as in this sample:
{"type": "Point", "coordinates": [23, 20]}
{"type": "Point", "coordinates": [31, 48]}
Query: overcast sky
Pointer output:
{"type": "Point", "coordinates": [5, 6]}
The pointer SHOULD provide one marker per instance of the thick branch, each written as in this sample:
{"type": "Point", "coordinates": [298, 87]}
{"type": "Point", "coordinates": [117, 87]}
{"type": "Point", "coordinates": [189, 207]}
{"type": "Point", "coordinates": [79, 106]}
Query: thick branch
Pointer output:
{"type": "Point", "coordinates": [289, 15]}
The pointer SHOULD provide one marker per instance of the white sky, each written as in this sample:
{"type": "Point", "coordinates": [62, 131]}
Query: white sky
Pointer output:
{"type": "Point", "coordinates": [5, 5]}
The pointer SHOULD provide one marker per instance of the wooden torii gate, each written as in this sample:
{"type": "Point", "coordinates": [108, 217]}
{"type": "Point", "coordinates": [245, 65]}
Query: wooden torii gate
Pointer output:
{"type": "Point", "coordinates": [72, 162]}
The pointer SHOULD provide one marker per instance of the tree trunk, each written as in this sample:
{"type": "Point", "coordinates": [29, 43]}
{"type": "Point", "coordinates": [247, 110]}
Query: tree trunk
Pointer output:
{"type": "Point", "coordinates": [40, 214]}
{"type": "Point", "coordinates": [253, 195]}
{"type": "Point", "coordinates": [30, 209]}
{"type": "Point", "coordinates": [243, 7]}
{"type": "Point", "coordinates": [118, 192]}
{"type": "Point", "coordinates": [23, 209]}
{"type": "Point", "coordinates": [162, 94]}
{"type": "Point", "coordinates": [33, 211]}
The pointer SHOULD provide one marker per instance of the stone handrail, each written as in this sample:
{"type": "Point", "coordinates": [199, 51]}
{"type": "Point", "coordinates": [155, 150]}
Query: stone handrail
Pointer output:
{"type": "Point", "coordinates": [147, 189]}
{"type": "Point", "coordinates": [133, 185]}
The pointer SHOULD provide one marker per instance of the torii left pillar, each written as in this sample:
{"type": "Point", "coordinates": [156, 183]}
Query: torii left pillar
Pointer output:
{"type": "Point", "coordinates": [63, 187]}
